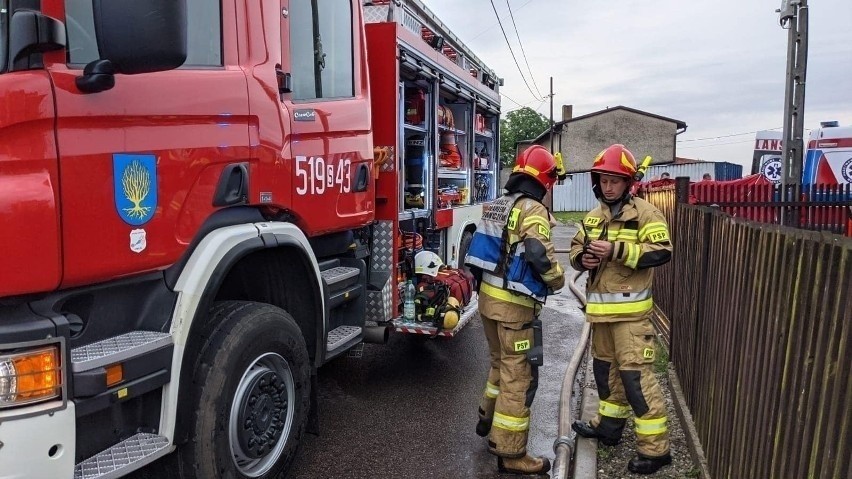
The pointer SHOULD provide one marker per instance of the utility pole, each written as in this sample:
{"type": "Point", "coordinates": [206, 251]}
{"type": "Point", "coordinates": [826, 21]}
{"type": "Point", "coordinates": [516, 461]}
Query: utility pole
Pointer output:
{"type": "Point", "coordinates": [794, 17]}
{"type": "Point", "coordinates": [551, 115]}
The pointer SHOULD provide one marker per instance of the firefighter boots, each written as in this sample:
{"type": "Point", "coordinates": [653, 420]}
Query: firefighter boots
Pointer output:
{"type": "Point", "coordinates": [483, 427]}
{"type": "Point", "coordinates": [590, 432]}
{"type": "Point", "coordinates": [648, 465]}
{"type": "Point", "coordinates": [524, 465]}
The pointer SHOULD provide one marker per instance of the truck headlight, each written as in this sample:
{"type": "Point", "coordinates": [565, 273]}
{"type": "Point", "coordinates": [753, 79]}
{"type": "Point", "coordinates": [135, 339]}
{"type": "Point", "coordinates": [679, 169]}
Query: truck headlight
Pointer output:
{"type": "Point", "coordinates": [30, 376]}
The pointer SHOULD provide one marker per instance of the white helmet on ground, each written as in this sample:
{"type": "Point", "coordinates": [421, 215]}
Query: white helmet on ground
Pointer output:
{"type": "Point", "coordinates": [427, 262]}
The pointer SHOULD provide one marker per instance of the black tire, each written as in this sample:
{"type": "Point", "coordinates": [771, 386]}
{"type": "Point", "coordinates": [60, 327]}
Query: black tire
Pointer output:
{"type": "Point", "coordinates": [241, 390]}
{"type": "Point", "coordinates": [464, 246]}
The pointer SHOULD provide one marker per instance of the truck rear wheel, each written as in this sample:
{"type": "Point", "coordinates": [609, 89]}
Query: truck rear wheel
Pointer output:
{"type": "Point", "coordinates": [251, 392]}
{"type": "Point", "coordinates": [464, 246]}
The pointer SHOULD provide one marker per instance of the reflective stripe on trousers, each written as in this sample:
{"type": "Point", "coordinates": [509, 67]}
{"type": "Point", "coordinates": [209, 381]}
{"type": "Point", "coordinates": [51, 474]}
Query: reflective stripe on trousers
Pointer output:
{"type": "Point", "coordinates": [613, 410]}
{"type": "Point", "coordinates": [511, 423]}
{"type": "Point", "coordinates": [650, 426]}
{"type": "Point", "coordinates": [491, 390]}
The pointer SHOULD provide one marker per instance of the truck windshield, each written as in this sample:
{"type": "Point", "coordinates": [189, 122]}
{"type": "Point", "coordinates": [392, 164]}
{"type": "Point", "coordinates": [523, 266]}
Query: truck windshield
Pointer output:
{"type": "Point", "coordinates": [4, 33]}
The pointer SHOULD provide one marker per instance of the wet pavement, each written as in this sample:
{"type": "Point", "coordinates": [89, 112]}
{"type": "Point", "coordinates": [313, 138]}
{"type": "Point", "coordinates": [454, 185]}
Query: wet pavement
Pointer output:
{"type": "Point", "coordinates": [407, 409]}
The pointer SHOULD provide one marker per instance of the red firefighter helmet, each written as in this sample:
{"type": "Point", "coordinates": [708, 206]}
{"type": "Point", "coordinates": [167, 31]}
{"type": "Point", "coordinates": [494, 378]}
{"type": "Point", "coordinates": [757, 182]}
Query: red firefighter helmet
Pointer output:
{"type": "Point", "coordinates": [537, 162]}
{"type": "Point", "coordinates": [615, 160]}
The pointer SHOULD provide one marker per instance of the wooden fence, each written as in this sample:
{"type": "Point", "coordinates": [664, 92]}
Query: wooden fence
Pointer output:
{"type": "Point", "coordinates": [761, 322]}
{"type": "Point", "coordinates": [664, 198]}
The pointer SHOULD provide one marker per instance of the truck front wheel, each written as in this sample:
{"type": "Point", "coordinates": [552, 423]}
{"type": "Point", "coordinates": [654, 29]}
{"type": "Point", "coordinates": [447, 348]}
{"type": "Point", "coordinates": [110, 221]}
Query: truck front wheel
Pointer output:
{"type": "Point", "coordinates": [252, 392]}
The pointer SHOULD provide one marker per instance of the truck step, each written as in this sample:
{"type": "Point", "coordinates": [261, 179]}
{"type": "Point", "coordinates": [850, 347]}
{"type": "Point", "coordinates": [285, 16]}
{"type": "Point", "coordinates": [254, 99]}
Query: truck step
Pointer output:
{"type": "Point", "coordinates": [339, 274]}
{"type": "Point", "coordinates": [123, 458]}
{"type": "Point", "coordinates": [468, 312]}
{"type": "Point", "coordinates": [340, 335]}
{"type": "Point", "coordinates": [117, 349]}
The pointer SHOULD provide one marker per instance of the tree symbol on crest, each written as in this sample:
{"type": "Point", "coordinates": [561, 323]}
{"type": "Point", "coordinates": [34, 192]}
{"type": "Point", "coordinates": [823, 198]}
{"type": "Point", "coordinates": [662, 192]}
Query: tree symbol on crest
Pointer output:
{"type": "Point", "coordinates": [136, 182]}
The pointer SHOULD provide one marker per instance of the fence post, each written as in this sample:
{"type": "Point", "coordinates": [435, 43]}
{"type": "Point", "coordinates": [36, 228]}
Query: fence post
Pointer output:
{"type": "Point", "coordinates": [702, 299]}
{"type": "Point", "coordinates": [682, 189]}
{"type": "Point", "coordinates": [681, 197]}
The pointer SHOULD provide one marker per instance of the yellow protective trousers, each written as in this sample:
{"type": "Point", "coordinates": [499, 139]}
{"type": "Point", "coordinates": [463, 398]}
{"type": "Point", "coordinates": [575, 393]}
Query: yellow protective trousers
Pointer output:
{"type": "Point", "coordinates": [623, 355]}
{"type": "Point", "coordinates": [511, 386]}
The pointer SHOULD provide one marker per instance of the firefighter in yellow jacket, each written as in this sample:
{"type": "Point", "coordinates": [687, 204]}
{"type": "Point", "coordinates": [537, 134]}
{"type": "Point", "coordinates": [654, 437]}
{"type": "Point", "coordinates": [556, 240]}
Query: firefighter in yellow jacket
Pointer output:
{"type": "Point", "coordinates": [514, 258]}
{"type": "Point", "coordinates": [621, 241]}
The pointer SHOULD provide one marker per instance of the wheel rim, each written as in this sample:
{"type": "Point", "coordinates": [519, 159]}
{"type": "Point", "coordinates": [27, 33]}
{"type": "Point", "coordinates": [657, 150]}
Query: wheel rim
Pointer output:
{"type": "Point", "coordinates": [262, 414]}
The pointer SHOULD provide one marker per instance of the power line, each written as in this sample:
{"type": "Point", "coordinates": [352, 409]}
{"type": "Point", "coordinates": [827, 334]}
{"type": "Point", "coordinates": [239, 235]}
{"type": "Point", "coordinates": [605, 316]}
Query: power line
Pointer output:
{"type": "Point", "coordinates": [517, 102]}
{"type": "Point", "coordinates": [512, 110]}
{"type": "Point", "coordinates": [523, 53]}
{"type": "Point", "coordinates": [510, 49]}
{"type": "Point", "coordinates": [510, 99]}
{"type": "Point", "coordinates": [727, 136]}
{"type": "Point", "coordinates": [520, 106]}
{"type": "Point", "coordinates": [807, 130]}
{"type": "Point", "coordinates": [483, 32]}
{"type": "Point", "coordinates": [717, 144]}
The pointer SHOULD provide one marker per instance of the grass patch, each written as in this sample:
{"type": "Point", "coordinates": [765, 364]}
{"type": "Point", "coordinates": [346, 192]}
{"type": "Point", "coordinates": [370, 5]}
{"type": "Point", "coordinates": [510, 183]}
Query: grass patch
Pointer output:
{"type": "Point", "coordinates": [661, 358]}
{"type": "Point", "coordinates": [605, 452]}
{"type": "Point", "coordinates": [567, 217]}
{"type": "Point", "coordinates": [693, 472]}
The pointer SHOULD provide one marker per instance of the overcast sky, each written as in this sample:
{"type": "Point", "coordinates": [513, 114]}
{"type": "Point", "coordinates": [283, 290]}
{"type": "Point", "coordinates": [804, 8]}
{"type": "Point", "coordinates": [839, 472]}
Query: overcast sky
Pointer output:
{"type": "Point", "coordinates": [718, 66]}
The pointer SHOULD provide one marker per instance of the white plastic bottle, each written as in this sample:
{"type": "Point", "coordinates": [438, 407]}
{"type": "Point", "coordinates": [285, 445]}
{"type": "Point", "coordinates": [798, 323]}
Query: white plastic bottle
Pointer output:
{"type": "Point", "coordinates": [408, 313]}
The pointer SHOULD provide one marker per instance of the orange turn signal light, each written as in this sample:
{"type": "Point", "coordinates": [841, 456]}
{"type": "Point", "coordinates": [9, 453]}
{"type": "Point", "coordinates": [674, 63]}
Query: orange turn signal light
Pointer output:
{"type": "Point", "coordinates": [30, 376]}
{"type": "Point", "coordinates": [114, 374]}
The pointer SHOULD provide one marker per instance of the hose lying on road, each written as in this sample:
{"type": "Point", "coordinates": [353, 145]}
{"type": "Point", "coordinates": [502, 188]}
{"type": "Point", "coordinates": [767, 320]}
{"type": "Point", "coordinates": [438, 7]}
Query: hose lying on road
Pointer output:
{"type": "Point", "coordinates": [563, 446]}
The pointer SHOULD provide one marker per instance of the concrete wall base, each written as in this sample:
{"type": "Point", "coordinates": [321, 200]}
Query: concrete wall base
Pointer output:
{"type": "Point", "coordinates": [586, 457]}
{"type": "Point", "coordinates": [682, 410]}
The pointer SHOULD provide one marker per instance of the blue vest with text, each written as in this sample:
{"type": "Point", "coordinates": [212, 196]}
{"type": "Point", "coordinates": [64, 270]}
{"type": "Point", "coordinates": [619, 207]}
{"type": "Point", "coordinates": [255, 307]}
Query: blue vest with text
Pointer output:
{"type": "Point", "coordinates": [491, 252]}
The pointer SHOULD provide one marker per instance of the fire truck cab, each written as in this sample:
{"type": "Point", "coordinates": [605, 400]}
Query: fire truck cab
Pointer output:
{"type": "Point", "coordinates": [203, 201]}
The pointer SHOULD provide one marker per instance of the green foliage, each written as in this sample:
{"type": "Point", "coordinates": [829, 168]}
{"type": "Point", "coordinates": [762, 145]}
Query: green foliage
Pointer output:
{"type": "Point", "coordinates": [568, 217]}
{"type": "Point", "coordinates": [661, 358]}
{"type": "Point", "coordinates": [693, 472]}
{"type": "Point", "coordinates": [518, 125]}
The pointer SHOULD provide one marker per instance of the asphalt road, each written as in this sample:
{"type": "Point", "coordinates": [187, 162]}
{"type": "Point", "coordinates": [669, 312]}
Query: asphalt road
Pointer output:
{"type": "Point", "coordinates": [407, 409]}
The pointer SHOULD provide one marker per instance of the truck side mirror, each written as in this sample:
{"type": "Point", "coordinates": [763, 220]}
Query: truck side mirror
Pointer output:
{"type": "Point", "coordinates": [98, 76]}
{"type": "Point", "coordinates": [141, 36]}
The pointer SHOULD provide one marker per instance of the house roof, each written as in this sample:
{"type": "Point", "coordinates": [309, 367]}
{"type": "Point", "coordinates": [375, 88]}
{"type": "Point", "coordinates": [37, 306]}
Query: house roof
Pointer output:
{"type": "Point", "coordinates": [680, 124]}
{"type": "Point", "coordinates": [679, 160]}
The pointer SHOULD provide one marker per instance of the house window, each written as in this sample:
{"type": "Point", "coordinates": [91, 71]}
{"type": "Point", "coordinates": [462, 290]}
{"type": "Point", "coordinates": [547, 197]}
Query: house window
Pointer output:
{"type": "Point", "coordinates": [321, 49]}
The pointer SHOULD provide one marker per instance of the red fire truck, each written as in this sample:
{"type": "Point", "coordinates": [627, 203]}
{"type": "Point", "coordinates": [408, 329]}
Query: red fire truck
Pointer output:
{"type": "Point", "coordinates": [202, 202]}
